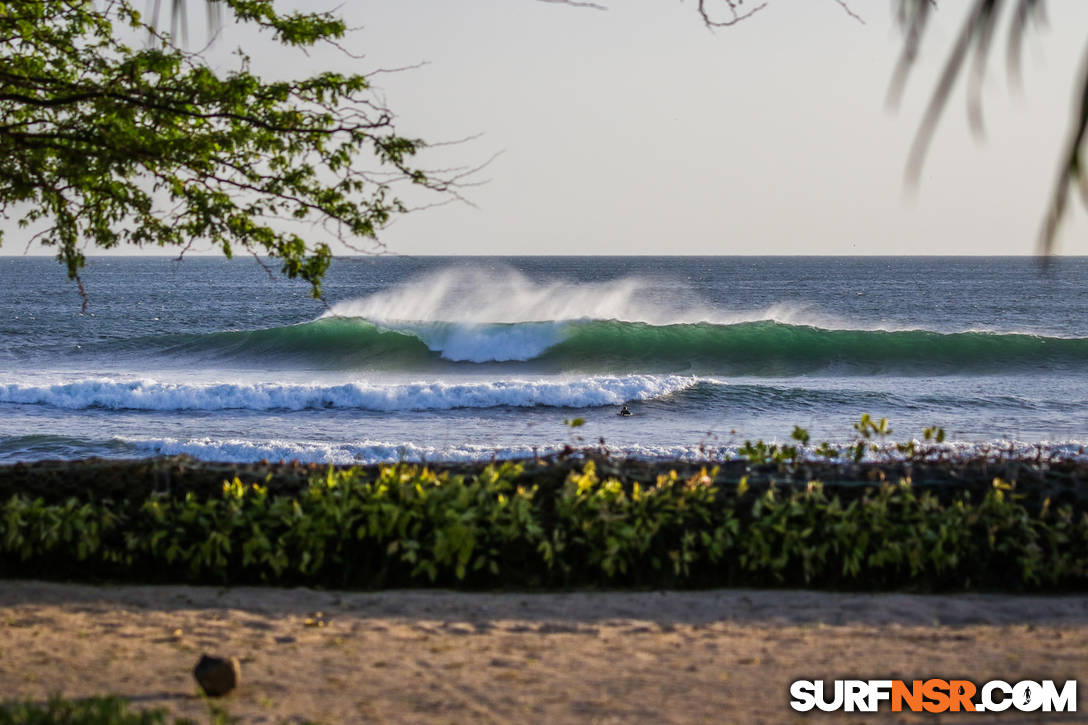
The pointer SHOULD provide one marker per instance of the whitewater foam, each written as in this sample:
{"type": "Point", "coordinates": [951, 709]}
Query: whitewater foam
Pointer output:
{"type": "Point", "coordinates": [167, 396]}
{"type": "Point", "coordinates": [368, 452]}
{"type": "Point", "coordinates": [477, 342]}
{"type": "Point", "coordinates": [361, 452]}
{"type": "Point", "coordinates": [372, 452]}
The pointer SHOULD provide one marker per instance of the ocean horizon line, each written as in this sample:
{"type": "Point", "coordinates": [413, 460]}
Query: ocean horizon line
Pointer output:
{"type": "Point", "coordinates": [216, 254]}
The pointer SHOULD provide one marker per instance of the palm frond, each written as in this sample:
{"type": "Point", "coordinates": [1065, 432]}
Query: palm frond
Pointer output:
{"type": "Point", "coordinates": [974, 41]}
{"type": "Point", "coordinates": [179, 17]}
{"type": "Point", "coordinates": [1070, 172]}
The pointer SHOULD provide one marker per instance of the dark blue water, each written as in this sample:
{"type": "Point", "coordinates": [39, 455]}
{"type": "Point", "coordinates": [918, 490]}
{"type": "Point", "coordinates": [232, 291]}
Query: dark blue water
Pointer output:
{"type": "Point", "coordinates": [457, 358]}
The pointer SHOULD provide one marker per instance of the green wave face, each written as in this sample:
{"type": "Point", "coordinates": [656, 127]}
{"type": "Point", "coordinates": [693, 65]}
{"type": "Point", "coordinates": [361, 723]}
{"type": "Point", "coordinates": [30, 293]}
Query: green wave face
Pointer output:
{"type": "Point", "coordinates": [609, 346]}
{"type": "Point", "coordinates": [777, 349]}
{"type": "Point", "coordinates": [332, 342]}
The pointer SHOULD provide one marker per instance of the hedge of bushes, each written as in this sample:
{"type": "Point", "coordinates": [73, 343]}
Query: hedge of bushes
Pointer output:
{"type": "Point", "coordinates": [410, 526]}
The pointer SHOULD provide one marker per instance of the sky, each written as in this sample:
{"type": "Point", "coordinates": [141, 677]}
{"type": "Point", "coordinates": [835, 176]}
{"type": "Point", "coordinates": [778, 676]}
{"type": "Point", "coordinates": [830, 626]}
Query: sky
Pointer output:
{"type": "Point", "coordinates": [636, 130]}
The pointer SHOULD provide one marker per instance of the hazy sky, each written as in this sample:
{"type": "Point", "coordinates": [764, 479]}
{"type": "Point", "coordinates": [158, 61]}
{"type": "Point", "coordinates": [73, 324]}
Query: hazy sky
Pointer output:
{"type": "Point", "coordinates": [639, 131]}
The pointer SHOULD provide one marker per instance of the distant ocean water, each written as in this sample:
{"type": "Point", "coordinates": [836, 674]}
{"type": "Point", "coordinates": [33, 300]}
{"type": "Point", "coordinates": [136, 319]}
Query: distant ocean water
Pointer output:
{"type": "Point", "coordinates": [473, 358]}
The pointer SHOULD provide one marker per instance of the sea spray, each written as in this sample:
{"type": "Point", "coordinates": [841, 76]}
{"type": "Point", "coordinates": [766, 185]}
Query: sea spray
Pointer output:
{"type": "Point", "coordinates": [473, 296]}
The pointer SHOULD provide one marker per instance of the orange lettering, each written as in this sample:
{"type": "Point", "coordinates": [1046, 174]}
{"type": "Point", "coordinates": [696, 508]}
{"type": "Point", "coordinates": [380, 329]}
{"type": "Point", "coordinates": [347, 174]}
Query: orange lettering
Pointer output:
{"type": "Point", "coordinates": [936, 691]}
{"type": "Point", "coordinates": [961, 692]}
{"type": "Point", "coordinates": [912, 695]}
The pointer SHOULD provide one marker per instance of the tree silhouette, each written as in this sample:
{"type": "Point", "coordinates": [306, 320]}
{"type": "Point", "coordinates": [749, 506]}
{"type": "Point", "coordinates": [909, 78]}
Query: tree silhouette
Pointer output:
{"type": "Point", "coordinates": [108, 144]}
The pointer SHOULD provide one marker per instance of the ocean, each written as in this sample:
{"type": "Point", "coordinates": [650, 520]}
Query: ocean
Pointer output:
{"type": "Point", "coordinates": [475, 358]}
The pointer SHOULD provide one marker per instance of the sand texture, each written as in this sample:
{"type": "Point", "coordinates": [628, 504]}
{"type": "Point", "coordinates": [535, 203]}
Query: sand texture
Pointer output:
{"type": "Point", "coordinates": [719, 656]}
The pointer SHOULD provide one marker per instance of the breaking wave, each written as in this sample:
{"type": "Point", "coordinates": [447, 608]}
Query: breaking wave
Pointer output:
{"type": "Point", "coordinates": [169, 396]}
{"type": "Point", "coordinates": [766, 348]}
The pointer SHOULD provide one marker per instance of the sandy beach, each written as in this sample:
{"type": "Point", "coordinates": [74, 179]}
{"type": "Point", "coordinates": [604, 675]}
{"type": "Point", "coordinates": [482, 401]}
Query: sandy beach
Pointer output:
{"type": "Point", "coordinates": [581, 657]}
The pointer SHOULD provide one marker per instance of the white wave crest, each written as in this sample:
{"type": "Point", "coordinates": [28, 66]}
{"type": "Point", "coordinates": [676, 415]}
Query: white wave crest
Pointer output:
{"type": "Point", "coordinates": [166, 396]}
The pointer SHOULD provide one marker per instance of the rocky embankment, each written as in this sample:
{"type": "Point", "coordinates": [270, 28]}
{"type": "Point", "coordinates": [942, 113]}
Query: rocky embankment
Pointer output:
{"type": "Point", "coordinates": [1037, 480]}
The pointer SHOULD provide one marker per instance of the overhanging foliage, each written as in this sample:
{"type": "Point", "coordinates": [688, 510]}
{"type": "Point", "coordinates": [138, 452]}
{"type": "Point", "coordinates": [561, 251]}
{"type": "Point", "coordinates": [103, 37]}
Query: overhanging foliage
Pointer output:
{"type": "Point", "coordinates": [109, 141]}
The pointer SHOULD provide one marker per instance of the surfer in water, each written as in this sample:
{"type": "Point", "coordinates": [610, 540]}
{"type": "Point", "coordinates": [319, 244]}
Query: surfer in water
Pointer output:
{"type": "Point", "coordinates": [624, 411]}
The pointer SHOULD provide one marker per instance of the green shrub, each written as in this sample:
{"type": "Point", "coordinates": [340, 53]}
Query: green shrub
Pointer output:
{"type": "Point", "coordinates": [94, 711]}
{"type": "Point", "coordinates": [409, 526]}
